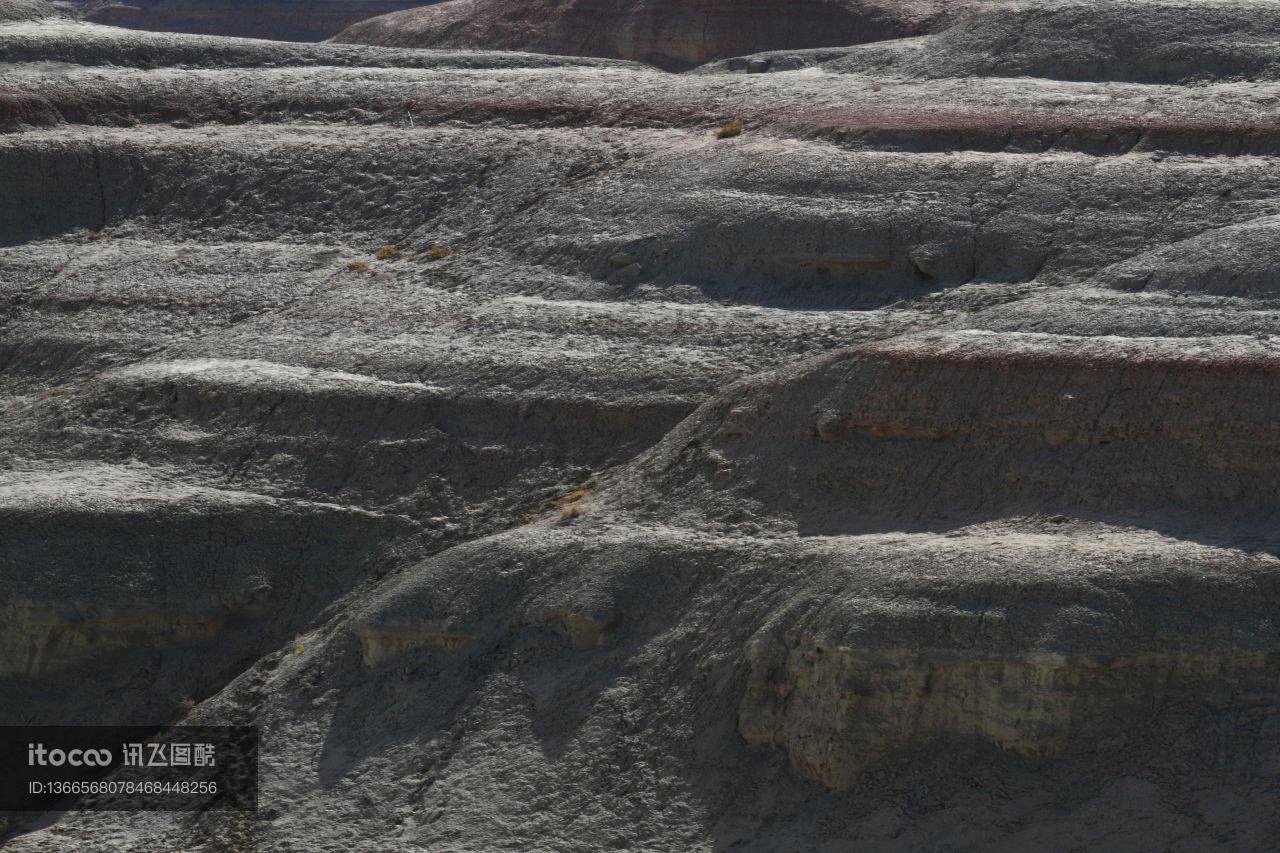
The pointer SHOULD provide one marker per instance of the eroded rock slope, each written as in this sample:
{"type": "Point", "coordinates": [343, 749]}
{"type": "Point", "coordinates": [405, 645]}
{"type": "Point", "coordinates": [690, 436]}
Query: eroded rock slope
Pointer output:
{"type": "Point", "coordinates": [671, 34]}
{"type": "Point", "coordinates": [285, 20]}
{"type": "Point", "coordinates": [541, 471]}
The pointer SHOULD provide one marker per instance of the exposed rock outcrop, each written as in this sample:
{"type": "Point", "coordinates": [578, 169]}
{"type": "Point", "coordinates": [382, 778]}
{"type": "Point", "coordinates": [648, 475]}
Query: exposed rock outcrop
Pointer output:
{"type": "Point", "coordinates": [1146, 430]}
{"type": "Point", "coordinates": [25, 10]}
{"type": "Point", "coordinates": [670, 35]}
{"type": "Point", "coordinates": [1147, 41]}
{"type": "Point", "coordinates": [840, 710]}
{"type": "Point", "coordinates": [1230, 261]}
{"type": "Point", "coordinates": [284, 20]}
{"type": "Point", "coordinates": [540, 468]}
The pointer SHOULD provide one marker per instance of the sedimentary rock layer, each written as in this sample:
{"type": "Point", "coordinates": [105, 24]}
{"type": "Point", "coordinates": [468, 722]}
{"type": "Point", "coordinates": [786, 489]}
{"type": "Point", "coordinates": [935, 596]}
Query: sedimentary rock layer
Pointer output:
{"type": "Point", "coordinates": [670, 35]}
{"type": "Point", "coordinates": [1162, 431]}
{"type": "Point", "coordinates": [540, 468]}
{"type": "Point", "coordinates": [1145, 41]}
{"type": "Point", "coordinates": [284, 20]}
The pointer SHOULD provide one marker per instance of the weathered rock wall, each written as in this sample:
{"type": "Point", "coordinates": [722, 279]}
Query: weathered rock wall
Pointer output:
{"type": "Point", "coordinates": [924, 430]}
{"type": "Point", "coordinates": [838, 711]}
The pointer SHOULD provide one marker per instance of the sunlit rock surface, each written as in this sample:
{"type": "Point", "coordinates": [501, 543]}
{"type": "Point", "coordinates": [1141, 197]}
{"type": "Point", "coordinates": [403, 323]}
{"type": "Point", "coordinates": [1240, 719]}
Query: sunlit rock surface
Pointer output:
{"type": "Point", "coordinates": [540, 470]}
{"type": "Point", "coordinates": [671, 34]}
{"type": "Point", "coordinates": [286, 20]}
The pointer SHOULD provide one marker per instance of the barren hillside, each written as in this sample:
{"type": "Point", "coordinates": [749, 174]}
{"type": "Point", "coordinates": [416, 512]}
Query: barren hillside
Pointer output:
{"type": "Point", "coordinates": [671, 34]}
{"type": "Point", "coordinates": [542, 467]}
{"type": "Point", "coordinates": [289, 20]}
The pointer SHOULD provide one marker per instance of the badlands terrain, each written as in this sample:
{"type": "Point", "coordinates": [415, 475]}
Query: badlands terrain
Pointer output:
{"type": "Point", "coordinates": [830, 448]}
{"type": "Point", "coordinates": [671, 34]}
{"type": "Point", "coordinates": [289, 20]}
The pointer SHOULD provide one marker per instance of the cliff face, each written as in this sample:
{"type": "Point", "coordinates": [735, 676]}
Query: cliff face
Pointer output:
{"type": "Point", "coordinates": [670, 35]}
{"type": "Point", "coordinates": [839, 711]}
{"type": "Point", "coordinates": [284, 20]}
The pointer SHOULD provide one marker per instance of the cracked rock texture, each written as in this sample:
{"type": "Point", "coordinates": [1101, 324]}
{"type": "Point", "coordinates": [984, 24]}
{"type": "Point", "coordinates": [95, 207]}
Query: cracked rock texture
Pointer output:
{"type": "Point", "coordinates": [541, 472]}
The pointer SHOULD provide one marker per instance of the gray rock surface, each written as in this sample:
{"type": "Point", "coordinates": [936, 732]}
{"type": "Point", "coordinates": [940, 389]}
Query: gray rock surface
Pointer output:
{"type": "Point", "coordinates": [25, 10]}
{"type": "Point", "coordinates": [541, 471]}
{"type": "Point", "coordinates": [1140, 41]}
{"type": "Point", "coordinates": [286, 20]}
{"type": "Point", "coordinates": [671, 34]}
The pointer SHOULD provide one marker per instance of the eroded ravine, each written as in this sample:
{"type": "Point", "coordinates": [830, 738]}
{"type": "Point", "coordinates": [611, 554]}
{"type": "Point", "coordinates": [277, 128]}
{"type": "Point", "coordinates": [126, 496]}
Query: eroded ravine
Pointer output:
{"type": "Point", "coordinates": [537, 469]}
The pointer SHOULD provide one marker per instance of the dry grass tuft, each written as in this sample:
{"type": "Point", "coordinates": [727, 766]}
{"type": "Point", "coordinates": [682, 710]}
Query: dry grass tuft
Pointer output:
{"type": "Point", "coordinates": [571, 498]}
{"type": "Point", "coordinates": [568, 514]}
{"type": "Point", "coordinates": [96, 235]}
{"type": "Point", "coordinates": [730, 130]}
{"type": "Point", "coordinates": [358, 266]}
{"type": "Point", "coordinates": [386, 253]}
{"type": "Point", "coordinates": [438, 253]}
{"type": "Point", "coordinates": [187, 704]}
